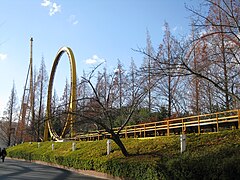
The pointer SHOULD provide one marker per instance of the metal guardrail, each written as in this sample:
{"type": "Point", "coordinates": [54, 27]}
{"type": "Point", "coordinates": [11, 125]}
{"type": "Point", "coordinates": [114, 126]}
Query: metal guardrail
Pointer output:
{"type": "Point", "coordinates": [196, 124]}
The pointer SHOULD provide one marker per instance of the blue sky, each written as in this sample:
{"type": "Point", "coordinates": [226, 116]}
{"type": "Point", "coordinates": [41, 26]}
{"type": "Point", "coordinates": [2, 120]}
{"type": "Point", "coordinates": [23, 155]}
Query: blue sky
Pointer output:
{"type": "Point", "coordinates": [96, 30]}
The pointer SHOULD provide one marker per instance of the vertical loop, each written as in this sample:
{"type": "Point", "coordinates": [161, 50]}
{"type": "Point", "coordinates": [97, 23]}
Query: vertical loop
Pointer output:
{"type": "Point", "coordinates": [72, 105]}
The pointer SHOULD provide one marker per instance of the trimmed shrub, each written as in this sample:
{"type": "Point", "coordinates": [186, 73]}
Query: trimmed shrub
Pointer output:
{"type": "Point", "coordinates": [208, 156]}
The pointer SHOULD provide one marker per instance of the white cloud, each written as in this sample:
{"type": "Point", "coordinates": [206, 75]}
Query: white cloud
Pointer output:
{"type": "Point", "coordinates": [72, 19]}
{"type": "Point", "coordinates": [52, 6]}
{"type": "Point", "coordinates": [3, 56]}
{"type": "Point", "coordinates": [46, 3]}
{"type": "Point", "coordinates": [91, 61]}
{"type": "Point", "coordinates": [54, 9]}
{"type": "Point", "coordinates": [94, 59]}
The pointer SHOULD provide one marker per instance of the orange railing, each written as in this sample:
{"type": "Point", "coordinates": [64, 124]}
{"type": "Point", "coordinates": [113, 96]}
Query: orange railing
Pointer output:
{"type": "Point", "coordinates": [196, 124]}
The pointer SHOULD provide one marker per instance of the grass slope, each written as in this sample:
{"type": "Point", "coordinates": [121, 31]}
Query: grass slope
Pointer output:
{"type": "Point", "coordinates": [208, 156]}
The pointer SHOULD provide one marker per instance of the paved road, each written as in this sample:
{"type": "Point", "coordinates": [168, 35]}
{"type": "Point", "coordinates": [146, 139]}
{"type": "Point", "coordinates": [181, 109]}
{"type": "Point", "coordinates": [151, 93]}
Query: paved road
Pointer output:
{"type": "Point", "coordinates": [21, 170]}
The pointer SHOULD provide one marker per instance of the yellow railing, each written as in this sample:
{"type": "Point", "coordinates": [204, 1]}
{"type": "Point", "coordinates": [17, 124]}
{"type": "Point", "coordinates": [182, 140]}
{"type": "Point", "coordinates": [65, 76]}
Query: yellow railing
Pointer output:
{"type": "Point", "coordinates": [197, 124]}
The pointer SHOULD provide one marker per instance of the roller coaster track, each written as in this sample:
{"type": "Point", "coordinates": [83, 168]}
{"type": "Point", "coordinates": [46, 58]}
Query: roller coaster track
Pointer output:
{"type": "Point", "coordinates": [72, 105]}
{"type": "Point", "coordinates": [192, 124]}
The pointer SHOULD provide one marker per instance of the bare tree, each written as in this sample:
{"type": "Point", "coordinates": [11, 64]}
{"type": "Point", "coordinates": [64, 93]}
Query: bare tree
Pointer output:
{"type": "Point", "coordinates": [63, 104]}
{"type": "Point", "coordinates": [103, 110]}
{"type": "Point", "coordinates": [220, 31]}
{"type": "Point", "coordinates": [56, 113]}
{"type": "Point", "coordinates": [132, 79]}
{"type": "Point", "coordinates": [168, 81]}
{"type": "Point", "coordinates": [10, 116]}
{"type": "Point", "coordinates": [150, 51]}
{"type": "Point", "coordinates": [40, 98]}
{"type": "Point", "coordinates": [119, 83]}
{"type": "Point", "coordinates": [82, 90]}
{"type": "Point", "coordinates": [32, 124]}
{"type": "Point", "coordinates": [221, 27]}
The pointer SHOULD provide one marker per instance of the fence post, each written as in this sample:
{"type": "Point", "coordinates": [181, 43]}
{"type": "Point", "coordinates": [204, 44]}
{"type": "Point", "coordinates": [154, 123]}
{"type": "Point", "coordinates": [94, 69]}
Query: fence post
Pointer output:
{"type": "Point", "coordinates": [238, 119]}
{"type": "Point", "coordinates": [52, 147]}
{"type": "Point", "coordinates": [168, 130]}
{"type": "Point", "coordinates": [144, 133]}
{"type": "Point", "coordinates": [199, 130]}
{"type": "Point", "coordinates": [134, 132]}
{"type": "Point", "coordinates": [155, 129]}
{"type": "Point", "coordinates": [182, 126]}
{"type": "Point", "coordinates": [126, 133]}
{"type": "Point", "coordinates": [38, 144]}
{"type": "Point", "coordinates": [217, 121]}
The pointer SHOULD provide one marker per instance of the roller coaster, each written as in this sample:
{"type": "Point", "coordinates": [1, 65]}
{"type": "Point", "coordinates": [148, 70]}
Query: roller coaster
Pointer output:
{"type": "Point", "coordinates": [193, 124]}
{"type": "Point", "coordinates": [27, 109]}
{"type": "Point", "coordinates": [72, 105]}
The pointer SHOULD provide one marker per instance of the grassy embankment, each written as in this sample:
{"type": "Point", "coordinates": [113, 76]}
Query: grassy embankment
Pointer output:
{"type": "Point", "coordinates": [208, 156]}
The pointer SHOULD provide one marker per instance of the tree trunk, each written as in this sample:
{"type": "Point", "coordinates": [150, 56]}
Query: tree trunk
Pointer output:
{"type": "Point", "coordinates": [118, 141]}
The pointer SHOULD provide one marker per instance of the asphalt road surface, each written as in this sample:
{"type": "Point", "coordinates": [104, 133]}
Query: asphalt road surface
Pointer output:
{"type": "Point", "coordinates": [22, 170]}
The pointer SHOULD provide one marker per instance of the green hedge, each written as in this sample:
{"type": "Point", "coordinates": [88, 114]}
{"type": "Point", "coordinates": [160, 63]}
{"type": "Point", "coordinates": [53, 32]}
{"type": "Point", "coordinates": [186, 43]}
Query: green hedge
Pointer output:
{"type": "Point", "coordinates": [208, 156]}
